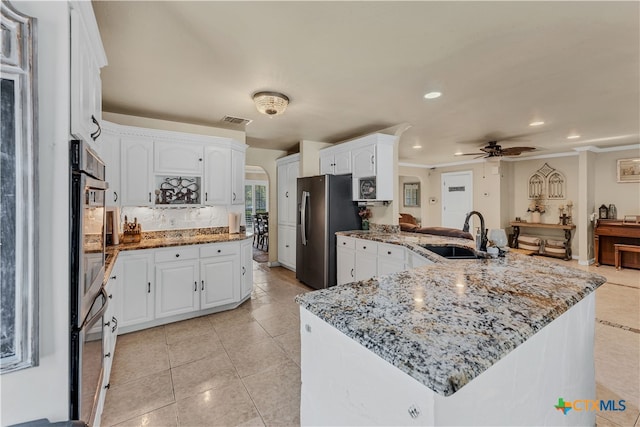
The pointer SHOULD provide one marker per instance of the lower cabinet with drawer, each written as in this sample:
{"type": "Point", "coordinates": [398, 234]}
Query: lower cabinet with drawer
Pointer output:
{"type": "Point", "coordinates": [362, 259]}
{"type": "Point", "coordinates": [160, 286]}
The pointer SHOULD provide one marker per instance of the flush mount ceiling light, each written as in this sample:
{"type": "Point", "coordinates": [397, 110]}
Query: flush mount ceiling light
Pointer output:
{"type": "Point", "coordinates": [573, 136]}
{"type": "Point", "coordinates": [271, 103]}
{"type": "Point", "coordinates": [536, 123]}
{"type": "Point", "coordinates": [417, 146]}
{"type": "Point", "coordinates": [433, 95]}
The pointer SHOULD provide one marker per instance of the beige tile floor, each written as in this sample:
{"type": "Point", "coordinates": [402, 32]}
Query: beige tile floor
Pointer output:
{"type": "Point", "coordinates": [242, 367]}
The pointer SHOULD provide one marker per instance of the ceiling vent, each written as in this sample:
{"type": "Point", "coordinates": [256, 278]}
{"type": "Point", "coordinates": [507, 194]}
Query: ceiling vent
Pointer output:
{"type": "Point", "coordinates": [236, 120]}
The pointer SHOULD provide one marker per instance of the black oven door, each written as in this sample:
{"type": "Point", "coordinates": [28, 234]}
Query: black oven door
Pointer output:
{"type": "Point", "coordinates": [88, 242]}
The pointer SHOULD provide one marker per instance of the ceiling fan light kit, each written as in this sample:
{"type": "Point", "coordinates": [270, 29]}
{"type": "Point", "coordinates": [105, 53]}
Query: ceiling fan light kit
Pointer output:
{"type": "Point", "coordinates": [271, 103]}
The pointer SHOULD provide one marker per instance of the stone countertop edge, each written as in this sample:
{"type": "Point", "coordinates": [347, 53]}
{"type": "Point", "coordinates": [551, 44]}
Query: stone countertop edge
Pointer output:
{"type": "Point", "coordinates": [444, 324]}
{"type": "Point", "coordinates": [111, 252]}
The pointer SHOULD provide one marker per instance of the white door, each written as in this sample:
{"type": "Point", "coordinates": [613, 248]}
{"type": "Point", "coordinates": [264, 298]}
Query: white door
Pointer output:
{"type": "Point", "coordinates": [237, 177]}
{"type": "Point", "coordinates": [457, 198]}
{"type": "Point", "coordinates": [246, 256]}
{"type": "Point", "coordinates": [219, 277]}
{"type": "Point", "coordinates": [217, 175]}
{"type": "Point", "coordinates": [346, 265]}
{"type": "Point", "coordinates": [136, 171]}
{"type": "Point", "coordinates": [136, 300]}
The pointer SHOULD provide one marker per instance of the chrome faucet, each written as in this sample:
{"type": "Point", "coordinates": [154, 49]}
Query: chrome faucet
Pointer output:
{"type": "Point", "coordinates": [483, 231]}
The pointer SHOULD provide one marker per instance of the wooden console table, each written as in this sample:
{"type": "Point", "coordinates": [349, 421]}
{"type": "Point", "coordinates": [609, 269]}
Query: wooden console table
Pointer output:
{"type": "Point", "coordinates": [609, 232]}
{"type": "Point", "coordinates": [567, 234]}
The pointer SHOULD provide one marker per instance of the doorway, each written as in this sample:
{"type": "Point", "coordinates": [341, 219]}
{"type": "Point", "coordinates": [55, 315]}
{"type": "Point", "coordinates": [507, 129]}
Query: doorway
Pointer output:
{"type": "Point", "coordinates": [457, 198]}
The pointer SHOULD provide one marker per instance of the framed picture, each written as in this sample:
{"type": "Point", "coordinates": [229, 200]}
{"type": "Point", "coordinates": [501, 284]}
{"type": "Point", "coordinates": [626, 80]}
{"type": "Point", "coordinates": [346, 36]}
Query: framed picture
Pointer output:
{"type": "Point", "coordinates": [368, 188]}
{"type": "Point", "coordinates": [411, 194]}
{"type": "Point", "coordinates": [629, 170]}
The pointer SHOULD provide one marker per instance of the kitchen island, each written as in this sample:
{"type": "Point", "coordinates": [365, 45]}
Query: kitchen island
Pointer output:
{"type": "Point", "coordinates": [459, 342]}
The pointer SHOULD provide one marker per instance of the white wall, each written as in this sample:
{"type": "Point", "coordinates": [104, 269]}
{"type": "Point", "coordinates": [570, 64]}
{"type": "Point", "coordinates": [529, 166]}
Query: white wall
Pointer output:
{"type": "Point", "coordinates": [626, 196]}
{"type": "Point", "coordinates": [43, 392]}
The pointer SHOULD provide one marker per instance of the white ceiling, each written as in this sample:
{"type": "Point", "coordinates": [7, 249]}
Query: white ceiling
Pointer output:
{"type": "Point", "coordinates": [355, 67]}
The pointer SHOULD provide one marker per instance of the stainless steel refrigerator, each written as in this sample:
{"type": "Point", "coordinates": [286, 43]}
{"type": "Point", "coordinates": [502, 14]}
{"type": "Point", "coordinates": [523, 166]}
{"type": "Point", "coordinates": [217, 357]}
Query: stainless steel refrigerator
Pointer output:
{"type": "Point", "coordinates": [325, 206]}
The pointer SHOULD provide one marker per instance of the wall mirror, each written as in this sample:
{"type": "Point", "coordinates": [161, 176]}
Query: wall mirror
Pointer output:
{"type": "Point", "coordinates": [18, 193]}
{"type": "Point", "coordinates": [412, 194]}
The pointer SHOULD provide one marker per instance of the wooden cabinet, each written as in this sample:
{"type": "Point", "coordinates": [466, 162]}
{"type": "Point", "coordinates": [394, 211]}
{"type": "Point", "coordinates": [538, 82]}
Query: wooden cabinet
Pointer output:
{"type": "Point", "coordinates": [366, 259]}
{"type": "Point", "coordinates": [335, 163]}
{"type": "Point", "coordinates": [246, 261]}
{"type": "Point", "coordinates": [110, 155]}
{"type": "Point", "coordinates": [609, 232]}
{"type": "Point", "coordinates": [181, 157]}
{"type": "Point", "coordinates": [370, 160]}
{"type": "Point", "coordinates": [237, 177]}
{"type": "Point", "coordinates": [177, 288]}
{"type": "Point", "coordinates": [217, 176]}
{"type": "Point", "coordinates": [288, 169]}
{"type": "Point", "coordinates": [287, 246]}
{"type": "Point", "coordinates": [136, 162]}
{"type": "Point", "coordinates": [362, 259]}
{"type": "Point", "coordinates": [136, 298]}
{"type": "Point", "coordinates": [346, 257]}
{"type": "Point", "coordinates": [219, 280]}
{"type": "Point", "coordinates": [87, 57]}
{"type": "Point", "coordinates": [391, 259]}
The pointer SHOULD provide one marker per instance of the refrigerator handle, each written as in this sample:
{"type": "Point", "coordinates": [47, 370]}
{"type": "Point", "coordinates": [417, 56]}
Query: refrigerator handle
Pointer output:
{"type": "Point", "coordinates": [303, 219]}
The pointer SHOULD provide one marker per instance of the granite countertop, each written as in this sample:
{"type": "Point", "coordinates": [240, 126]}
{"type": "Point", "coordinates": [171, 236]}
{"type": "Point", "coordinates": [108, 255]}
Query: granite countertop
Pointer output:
{"type": "Point", "coordinates": [444, 324]}
{"type": "Point", "coordinates": [162, 240]}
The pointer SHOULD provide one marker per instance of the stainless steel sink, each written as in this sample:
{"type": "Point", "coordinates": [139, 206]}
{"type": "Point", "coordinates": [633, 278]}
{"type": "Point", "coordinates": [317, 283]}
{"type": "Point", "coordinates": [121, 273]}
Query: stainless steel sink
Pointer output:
{"type": "Point", "coordinates": [452, 252]}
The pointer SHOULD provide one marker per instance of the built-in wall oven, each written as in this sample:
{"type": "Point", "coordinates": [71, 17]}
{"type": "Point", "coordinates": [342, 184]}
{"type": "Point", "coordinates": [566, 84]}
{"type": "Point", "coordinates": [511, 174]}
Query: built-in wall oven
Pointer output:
{"type": "Point", "coordinates": [88, 299]}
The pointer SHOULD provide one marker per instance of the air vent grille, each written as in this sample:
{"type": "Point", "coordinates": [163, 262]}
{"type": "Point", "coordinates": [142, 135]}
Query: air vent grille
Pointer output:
{"type": "Point", "coordinates": [236, 120]}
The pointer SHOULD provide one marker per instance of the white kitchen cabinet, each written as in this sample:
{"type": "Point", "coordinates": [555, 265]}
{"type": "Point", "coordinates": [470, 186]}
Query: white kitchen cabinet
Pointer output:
{"type": "Point", "coordinates": [414, 260]}
{"type": "Point", "coordinates": [219, 281]}
{"type": "Point", "coordinates": [372, 164]}
{"type": "Point", "coordinates": [335, 163]}
{"type": "Point", "coordinates": [288, 170]}
{"type": "Point", "coordinates": [217, 175]}
{"type": "Point", "coordinates": [391, 259]}
{"type": "Point", "coordinates": [177, 288]}
{"type": "Point", "coordinates": [87, 57]}
{"type": "Point", "coordinates": [364, 161]}
{"type": "Point", "coordinates": [346, 256]}
{"type": "Point", "coordinates": [178, 157]}
{"type": "Point", "coordinates": [136, 300]}
{"type": "Point", "coordinates": [287, 246]}
{"type": "Point", "coordinates": [136, 162]}
{"type": "Point", "coordinates": [366, 259]}
{"type": "Point", "coordinates": [246, 261]}
{"type": "Point", "coordinates": [237, 177]}
{"type": "Point", "coordinates": [110, 322]}
{"type": "Point", "coordinates": [110, 155]}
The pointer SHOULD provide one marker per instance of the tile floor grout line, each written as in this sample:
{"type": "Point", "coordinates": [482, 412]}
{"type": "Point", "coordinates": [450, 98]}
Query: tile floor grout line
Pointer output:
{"type": "Point", "coordinates": [619, 326]}
{"type": "Point", "coordinates": [623, 285]}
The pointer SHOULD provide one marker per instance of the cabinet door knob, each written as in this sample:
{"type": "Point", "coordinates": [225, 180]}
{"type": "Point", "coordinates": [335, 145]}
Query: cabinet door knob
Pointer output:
{"type": "Point", "coordinates": [344, 243]}
{"type": "Point", "coordinates": [108, 354]}
{"type": "Point", "coordinates": [244, 270]}
{"type": "Point", "coordinates": [364, 247]}
{"type": "Point", "coordinates": [234, 197]}
{"type": "Point", "coordinates": [388, 252]}
{"type": "Point", "coordinates": [202, 289]}
{"type": "Point", "coordinates": [97, 133]}
{"type": "Point", "coordinates": [286, 194]}
{"type": "Point", "coordinates": [148, 287]}
{"type": "Point", "coordinates": [372, 159]}
{"type": "Point", "coordinates": [115, 196]}
{"type": "Point", "coordinates": [219, 250]}
{"type": "Point", "coordinates": [113, 277]}
{"type": "Point", "coordinates": [286, 246]}
{"type": "Point", "coordinates": [352, 272]}
{"type": "Point", "coordinates": [195, 286]}
{"type": "Point", "coordinates": [149, 196]}
{"type": "Point", "coordinates": [177, 255]}
{"type": "Point", "coordinates": [206, 196]}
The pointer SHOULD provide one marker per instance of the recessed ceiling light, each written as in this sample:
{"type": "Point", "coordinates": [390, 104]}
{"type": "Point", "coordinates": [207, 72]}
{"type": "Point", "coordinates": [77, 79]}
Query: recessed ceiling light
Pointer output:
{"type": "Point", "coordinates": [536, 123]}
{"type": "Point", "coordinates": [433, 95]}
{"type": "Point", "coordinates": [417, 145]}
{"type": "Point", "coordinates": [573, 136]}
{"type": "Point", "coordinates": [458, 153]}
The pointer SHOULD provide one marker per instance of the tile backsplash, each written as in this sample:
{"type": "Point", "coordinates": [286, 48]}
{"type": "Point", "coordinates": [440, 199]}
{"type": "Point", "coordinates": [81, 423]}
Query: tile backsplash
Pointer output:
{"type": "Point", "coordinates": [158, 219]}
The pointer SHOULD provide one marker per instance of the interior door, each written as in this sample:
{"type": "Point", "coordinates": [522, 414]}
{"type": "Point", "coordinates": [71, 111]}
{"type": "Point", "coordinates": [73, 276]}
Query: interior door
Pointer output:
{"type": "Point", "coordinates": [457, 198]}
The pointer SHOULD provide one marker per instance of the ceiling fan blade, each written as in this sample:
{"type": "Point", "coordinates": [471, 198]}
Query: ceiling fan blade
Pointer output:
{"type": "Point", "coordinates": [515, 151]}
{"type": "Point", "coordinates": [471, 154]}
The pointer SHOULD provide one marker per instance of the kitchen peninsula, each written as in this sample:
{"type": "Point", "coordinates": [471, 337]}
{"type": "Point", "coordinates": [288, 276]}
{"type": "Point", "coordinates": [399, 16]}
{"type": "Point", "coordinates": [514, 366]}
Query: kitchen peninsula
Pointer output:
{"type": "Point", "coordinates": [458, 342]}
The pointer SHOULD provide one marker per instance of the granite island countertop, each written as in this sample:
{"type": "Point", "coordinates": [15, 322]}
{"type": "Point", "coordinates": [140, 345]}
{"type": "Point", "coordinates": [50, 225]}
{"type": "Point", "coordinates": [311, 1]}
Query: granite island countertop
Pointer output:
{"type": "Point", "coordinates": [444, 324]}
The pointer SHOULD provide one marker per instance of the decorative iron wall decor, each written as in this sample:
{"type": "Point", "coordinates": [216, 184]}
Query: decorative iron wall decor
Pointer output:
{"type": "Point", "coordinates": [18, 192]}
{"type": "Point", "coordinates": [178, 190]}
{"type": "Point", "coordinates": [547, 183]}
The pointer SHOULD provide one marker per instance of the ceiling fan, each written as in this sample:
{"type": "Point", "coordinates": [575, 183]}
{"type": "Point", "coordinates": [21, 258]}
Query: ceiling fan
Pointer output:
{"type": "Point", "coordinates": [493, 149]}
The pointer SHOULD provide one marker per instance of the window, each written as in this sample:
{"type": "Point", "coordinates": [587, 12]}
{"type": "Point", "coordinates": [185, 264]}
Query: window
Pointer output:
{"type": "Point", "coordinates": [256, 195]}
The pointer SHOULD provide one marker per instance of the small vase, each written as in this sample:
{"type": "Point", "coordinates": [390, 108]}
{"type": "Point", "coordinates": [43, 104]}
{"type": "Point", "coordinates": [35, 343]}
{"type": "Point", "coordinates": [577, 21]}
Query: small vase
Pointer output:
{"type": "Point", "coordinates": [535, 217]}
{"type": "Point", "coordinates": [365, 224]}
